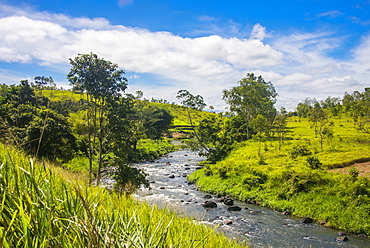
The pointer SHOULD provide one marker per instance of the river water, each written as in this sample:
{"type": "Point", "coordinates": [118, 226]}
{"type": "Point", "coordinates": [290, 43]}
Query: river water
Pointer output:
{"type": "Point", "coordinates": [256, 225]}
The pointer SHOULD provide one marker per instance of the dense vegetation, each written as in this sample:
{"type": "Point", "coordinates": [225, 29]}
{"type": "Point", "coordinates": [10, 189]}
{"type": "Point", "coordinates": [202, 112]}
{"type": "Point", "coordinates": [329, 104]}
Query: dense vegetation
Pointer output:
{"type": "Point", "coordinates": [84, 130]}
{"type": "Point", "coordinates": [39, 208]}
{"type": "Point", "coordinates": [95, 126]}
{"type": "Point", "coordinates": [285, 165]}
{"type": "Point", "coordinates": [253, 152]}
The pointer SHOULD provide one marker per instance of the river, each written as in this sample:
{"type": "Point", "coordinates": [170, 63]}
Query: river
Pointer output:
{"type": "Point", "coordinates": [258, 226]}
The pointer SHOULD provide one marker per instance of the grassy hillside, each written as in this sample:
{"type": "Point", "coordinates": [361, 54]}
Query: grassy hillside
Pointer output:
{"type": "Point", "coordinates": [39, 208]}
{"type": "Point", "coordinates": [283, 179]}
{"type": "Point", "coordinates": [180, 121]}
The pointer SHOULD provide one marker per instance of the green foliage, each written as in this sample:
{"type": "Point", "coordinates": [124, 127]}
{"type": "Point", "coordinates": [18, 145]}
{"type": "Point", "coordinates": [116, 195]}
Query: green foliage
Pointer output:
{"type": "Point", "coordinates": [313, 162]}
{"type": "Point", "coordinates": [353, 172]}
{"type": "Point", "coordinates": [292, 178]}
{"type": "Point", "coordinates": [38, 130]}
{"type": "Point", "coordinates": [300, 150]}
{"type": "Point", "coordinates": [128, 179]}
{"type": "Point", "coordinates": [254, 96]}
{"type": "Point", "coordinates": [40, 209]}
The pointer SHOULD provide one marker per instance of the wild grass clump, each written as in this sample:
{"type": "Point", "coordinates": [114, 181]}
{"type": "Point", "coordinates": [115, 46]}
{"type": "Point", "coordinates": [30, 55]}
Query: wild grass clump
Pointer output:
{"type": "Point", "coordinates": [40, 209]}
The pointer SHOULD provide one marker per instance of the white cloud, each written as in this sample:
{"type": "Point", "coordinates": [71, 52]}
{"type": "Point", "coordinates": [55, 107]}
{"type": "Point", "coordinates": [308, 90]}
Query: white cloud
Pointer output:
{"type": "Point", "coordinates": [258, 32]}
{"type": "Point", "coordinates": [331, 14]}
{"type": "Point", "coordinates": [297, 64]}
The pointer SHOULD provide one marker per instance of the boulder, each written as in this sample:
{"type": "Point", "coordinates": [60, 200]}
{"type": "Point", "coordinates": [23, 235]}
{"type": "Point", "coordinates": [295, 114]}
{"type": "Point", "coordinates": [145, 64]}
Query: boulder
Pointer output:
{"type": "Point", "coordinates": [171, 176]}
{"type": "Point", "coordinates": [287, 213]}
{"type": "Point", "coordinates": [207, 197]}
{"type": "Point", "coordinates": [342, 239]}
{"type": "Point", "coordinates": [342, 234]}
{"type": "Point", "coordinates": [234, 208]}
{"type": "Point", "coordinates": [250, 201]}
{"type": "Point", "coordinates": [168, 163]}
{"type": "Point", "coordinates": [228, 201]}
{"type": "Point", "coordinates": [162, 187]}
{"type": "Point", "coordinates": [228, 222]}
{"type": "Point", "coordinates": [306, 220]}
{"type": "Point", "coordinates": [209, 204]}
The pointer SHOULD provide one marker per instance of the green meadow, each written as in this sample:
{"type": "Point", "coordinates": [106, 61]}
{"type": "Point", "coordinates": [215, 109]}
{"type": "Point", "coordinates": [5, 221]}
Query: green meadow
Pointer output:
{"type": "Point", "coordinates": [293, 174]}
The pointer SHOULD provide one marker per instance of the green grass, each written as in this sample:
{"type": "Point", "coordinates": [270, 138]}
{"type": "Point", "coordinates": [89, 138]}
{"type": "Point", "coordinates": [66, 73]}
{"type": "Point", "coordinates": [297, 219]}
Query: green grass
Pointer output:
{"type": "Point", "coordinates": [39, 208]}
{"type": "Point", "coordinates": [277, 180]}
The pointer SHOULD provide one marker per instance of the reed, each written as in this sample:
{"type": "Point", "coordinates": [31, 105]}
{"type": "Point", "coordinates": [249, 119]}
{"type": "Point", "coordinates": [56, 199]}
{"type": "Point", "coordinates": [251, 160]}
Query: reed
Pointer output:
{"type": "Point", "coordinates": [39, 208]}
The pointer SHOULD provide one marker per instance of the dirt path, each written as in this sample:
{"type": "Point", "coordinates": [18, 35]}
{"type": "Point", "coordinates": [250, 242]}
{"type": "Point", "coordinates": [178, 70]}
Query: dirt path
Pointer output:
{"type": "Point", "coordinates": [363, 168]}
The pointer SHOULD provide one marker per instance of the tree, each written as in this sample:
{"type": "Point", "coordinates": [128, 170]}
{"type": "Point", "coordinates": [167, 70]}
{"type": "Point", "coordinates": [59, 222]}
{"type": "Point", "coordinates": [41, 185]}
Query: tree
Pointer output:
{"type": "Point", "coordinates": [30, 125]}
{"type": "Point", "coordinates": [321, 123]}
{"type": "Point", "coordinates": [102, 82]}
{"type": "Point", "coordinates": [154, 120]}
{"type": "Point", "coordinates": [192, 102]}
{"type": "Point", "coordinates": [253, 96]}
{"type": "Point", "coordinates": [262, 128]}
{"type": "Point", "coordinates": [280, 123]}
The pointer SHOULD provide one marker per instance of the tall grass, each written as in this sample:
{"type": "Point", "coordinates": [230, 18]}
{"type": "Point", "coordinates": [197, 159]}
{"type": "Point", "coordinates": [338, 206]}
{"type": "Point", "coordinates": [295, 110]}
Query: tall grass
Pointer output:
{"type": "Point", "coordinates": [41, 209]}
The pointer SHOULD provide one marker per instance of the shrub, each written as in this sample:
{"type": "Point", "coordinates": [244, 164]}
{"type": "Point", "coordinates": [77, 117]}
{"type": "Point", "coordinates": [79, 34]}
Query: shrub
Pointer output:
{"type": "Point", "coordinates": [353, 172]}
{"type": "Point", "coordinates": [314, 162]}
{"type": "Point", "coordinates": [300, 150]}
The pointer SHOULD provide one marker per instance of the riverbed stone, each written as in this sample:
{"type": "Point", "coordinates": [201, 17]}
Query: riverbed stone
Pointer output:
{"type": "Point", "coordinates": [228, 201]}
{"type": "Point", "coordinates": [307, 220]}
{"type": "Point", "coordinates": [171, 176]}
{"type": "Point", "coordinates": [234, 208]}
{"type": "Point", "coordinates": [207, 197]}
{"type": "Point", "coordinates": [287, 213]}
{"type": "Point", "coordinates": [209, 204]}
{"type": "Point", "coordinates": [342, 233]}
{"type": "Point", "coordinates": [228, 222]}
{"type": "Point", "coordinates": [342, 239]}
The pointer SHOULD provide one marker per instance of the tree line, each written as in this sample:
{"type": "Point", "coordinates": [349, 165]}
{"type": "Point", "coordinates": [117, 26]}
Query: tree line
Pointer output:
{"type": "Point", "coordinates": [252, 114]}
{"type": "Point", "coordinates": [111, 124]}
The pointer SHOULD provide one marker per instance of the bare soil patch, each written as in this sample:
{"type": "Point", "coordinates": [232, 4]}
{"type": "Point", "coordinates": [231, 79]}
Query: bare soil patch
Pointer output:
{"type": "Point", "coordinates": [363, 168]}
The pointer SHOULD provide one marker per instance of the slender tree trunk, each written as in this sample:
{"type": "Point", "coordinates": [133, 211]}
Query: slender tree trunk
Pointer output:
{"type": "Point", "coordinates": [195, 133]}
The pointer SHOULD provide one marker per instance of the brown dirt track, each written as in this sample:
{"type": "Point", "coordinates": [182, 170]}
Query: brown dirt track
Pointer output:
{"type": "Point", "coordinates": [363, 168]}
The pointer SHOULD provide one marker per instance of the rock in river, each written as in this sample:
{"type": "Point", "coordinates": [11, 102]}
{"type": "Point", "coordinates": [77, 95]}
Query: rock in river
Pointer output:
{"type": "Point", "coordinates": [234, 208]}
{"type": "Point", "coordinates": [210, 204]}
{"type": "Point", "coordinates": [306, 220]}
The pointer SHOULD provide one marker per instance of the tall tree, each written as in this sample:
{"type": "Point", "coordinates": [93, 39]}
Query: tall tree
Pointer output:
{"type": "Point", "coordinates": [192, 102]}
{"type": "Point", "coordinates": [280, 124]}
{"type": "Point", "coordinates": [102, 83]}
{"type": "Point", "coordinates": [252, 97]}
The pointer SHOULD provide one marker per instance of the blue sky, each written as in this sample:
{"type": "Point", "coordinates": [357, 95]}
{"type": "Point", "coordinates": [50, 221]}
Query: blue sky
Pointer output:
{"type": "Point", "coordinates": [306, 48]}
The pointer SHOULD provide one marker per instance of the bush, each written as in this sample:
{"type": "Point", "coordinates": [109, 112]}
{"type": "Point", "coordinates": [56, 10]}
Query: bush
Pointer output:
{"type": "Point", "coordinates": [300, 150]}
{"type": "Point", "coordinates": [314, 162]}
